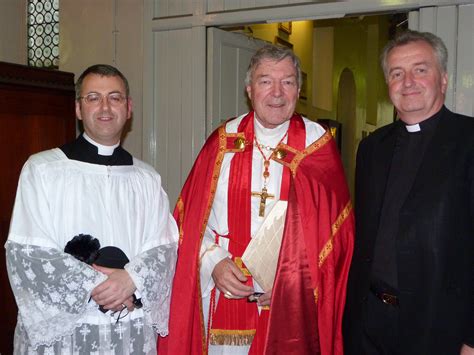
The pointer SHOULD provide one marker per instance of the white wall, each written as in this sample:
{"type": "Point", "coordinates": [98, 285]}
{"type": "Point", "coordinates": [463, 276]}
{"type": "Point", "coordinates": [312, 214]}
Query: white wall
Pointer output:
{"type": "Point", "coordinates": [455, 26]}
{"type": "Point", "coordinates": [109, 32]}
{"type": "Point", "coordinates": [168, 23]}
{"type": "Point", "coordinates": [13, 31]}
{"type": "Point", "coordinates": [160, 46]}
{"type": "Point", "coordinates": [91, 32]}
{"type": "Point", "coordinates": [176, 119]}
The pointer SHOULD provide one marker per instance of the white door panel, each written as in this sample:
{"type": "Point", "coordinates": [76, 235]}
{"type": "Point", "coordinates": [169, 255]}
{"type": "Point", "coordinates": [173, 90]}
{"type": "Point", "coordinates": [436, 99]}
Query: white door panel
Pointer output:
{"type": "Point", "coordinates": [228, 56]}
{"type": "Point", "coordinates": [455, 26]}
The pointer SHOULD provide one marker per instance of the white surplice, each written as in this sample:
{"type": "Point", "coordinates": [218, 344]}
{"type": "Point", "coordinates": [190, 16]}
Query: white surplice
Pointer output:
{"type": "Point", "coordinates": [122, 206]}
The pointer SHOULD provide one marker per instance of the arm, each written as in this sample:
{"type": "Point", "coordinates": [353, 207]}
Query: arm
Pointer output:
{"type": "Point", "coordinates": [152, 269]}
{"type": "Point", "coordinates": [229, 279]}
{"type": "Point", "coordinates": [51, 289]}
{"type": "Point", "coordinates": [217, 269]}
{"type": "Point", "coordinates": [152, 272]}
{"type": "Point", "coordinates": [209, 256]}
{"type": "Point", "coordinates": [116, 291]}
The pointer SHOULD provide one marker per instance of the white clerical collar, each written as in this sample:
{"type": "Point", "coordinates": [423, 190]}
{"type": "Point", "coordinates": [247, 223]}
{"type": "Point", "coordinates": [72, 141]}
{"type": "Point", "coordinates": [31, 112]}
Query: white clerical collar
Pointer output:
{"type": "Point", "coordinates": [413, 128]}
{"type": "Point", "coordinates": [102, 149]}
{"type": "Point", "coordinates": [269, 134]}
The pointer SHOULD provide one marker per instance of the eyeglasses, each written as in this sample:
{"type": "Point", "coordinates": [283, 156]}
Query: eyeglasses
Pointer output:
{"type": "Point", "coordinates": [95, 99]}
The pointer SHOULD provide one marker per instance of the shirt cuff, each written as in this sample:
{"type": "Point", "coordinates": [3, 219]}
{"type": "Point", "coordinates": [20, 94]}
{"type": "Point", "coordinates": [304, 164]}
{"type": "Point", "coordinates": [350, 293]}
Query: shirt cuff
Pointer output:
{"type": "Point", "coordinates": [208, 260]}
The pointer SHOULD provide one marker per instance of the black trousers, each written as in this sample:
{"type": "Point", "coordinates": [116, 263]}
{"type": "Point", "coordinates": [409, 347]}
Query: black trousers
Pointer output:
{"type": "Point", "coordinates": [381, 326]}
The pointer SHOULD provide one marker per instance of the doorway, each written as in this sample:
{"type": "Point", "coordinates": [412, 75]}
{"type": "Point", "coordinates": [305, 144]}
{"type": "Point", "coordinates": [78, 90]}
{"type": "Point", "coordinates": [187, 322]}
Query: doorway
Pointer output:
{"type": "Point", "coordinates": [346, 115]}
{"type": "Point", "coordinates": [344, 84]}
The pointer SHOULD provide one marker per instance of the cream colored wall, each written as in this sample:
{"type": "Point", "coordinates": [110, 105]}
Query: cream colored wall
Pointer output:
{"type": "Point", "coordinates": [301, 38]}
{"type": "Point", "coordinates": [357, 44]}
{"type": "Point", "coordinates": [354, 44]}
{"type": "Point", "coordinates": [13, 31]}
{"type": "Point", "coordinates": [91, 31]}
{"type": "Point", "coordinates": [89, 34]}
{"type": "Point", "coordinates": [109, 32]}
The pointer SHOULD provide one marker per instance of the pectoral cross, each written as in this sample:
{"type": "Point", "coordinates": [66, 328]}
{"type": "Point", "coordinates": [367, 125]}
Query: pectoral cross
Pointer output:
{"type": "Point", "coordinates": [263, 200]}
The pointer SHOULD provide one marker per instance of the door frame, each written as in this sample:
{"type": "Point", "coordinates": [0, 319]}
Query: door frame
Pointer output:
{"type": "Point", "coordinates": [160, 33]}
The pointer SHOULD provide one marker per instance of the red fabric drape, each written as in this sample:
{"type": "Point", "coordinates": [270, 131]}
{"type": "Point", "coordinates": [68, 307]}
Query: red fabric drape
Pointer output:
{"type": "Point", "coordinates": [309, 291]}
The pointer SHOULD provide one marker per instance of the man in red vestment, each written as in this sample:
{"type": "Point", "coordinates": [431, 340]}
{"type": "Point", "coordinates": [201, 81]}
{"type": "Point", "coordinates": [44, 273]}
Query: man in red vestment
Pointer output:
{"type": "Point", "coordinates": [248, 164]}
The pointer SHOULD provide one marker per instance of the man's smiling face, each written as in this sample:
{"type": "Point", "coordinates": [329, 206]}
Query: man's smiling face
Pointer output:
{"type": "Point", "coordinates": [104, 121]}
{"type": "Point", "coordinates": [274, 91]}
{"type": "Point", "coordinates": [416, 82]}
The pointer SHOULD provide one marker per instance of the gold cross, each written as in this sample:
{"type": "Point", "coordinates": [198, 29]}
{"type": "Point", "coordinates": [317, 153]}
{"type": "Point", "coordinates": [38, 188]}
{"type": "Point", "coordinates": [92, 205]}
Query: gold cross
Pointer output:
{"type": "Point", "coordinates": [263, 200]}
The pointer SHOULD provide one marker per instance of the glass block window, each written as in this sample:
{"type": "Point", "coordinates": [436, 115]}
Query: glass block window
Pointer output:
{"type": "Point", "coordinates": [43, 33]}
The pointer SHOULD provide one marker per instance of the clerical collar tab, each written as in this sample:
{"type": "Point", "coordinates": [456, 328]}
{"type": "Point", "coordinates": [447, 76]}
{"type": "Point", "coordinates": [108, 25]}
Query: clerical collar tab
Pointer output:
{"type": "Point", "coordinates": [413, 128]}
{"type": "Point", "coordinates": [106, 150]}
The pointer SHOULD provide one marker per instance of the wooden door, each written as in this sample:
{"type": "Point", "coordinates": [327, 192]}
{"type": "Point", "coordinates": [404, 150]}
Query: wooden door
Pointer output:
{"type": "Point", "coordinates": [36, 113]}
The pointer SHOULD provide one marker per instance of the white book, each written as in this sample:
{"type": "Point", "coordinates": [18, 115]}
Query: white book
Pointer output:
{"type": "Point", "coordinates": [261, 255]}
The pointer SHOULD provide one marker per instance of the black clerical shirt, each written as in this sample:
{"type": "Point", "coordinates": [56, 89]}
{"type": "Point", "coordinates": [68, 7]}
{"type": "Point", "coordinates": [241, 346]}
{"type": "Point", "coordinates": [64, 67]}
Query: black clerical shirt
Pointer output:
{"type": "Point", "coordinates": [407, 157]}
{"type": "Point", "coordinates": [82, 150]}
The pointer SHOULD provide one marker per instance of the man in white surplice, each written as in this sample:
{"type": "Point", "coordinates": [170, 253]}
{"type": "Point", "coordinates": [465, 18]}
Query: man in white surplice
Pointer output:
{"type": "Point", "coordinates": [91, 186]}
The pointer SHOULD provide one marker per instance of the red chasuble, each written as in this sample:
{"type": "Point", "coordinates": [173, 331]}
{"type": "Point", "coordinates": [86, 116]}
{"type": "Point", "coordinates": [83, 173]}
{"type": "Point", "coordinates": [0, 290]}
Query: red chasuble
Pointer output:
{"type": "Point", "coordinates": [309, 291]}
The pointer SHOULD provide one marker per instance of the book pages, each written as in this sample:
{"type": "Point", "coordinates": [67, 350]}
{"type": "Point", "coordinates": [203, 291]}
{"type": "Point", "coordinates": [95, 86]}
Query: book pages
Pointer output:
{"type": "Point", "coordinates": [261, 255]}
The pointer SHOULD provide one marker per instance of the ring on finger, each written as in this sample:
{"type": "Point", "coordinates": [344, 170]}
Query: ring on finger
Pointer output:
{"type": "Point", "coordinates": [228, 295]}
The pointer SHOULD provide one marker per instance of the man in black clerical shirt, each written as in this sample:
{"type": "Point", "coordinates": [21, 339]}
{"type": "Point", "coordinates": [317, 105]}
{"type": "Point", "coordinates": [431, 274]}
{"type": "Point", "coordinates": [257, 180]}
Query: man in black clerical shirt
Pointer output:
{"type": "Point", "coordinates": [103, 117]}
{"type": "Point", "coordinates": [411, 283]}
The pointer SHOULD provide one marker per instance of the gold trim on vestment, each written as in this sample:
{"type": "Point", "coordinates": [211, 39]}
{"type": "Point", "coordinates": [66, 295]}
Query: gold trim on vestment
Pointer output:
{"type": "Point", "coordinates": [299, 155]}
{"type": "Point", "coordinates": [326, 137]}
{"type": "Point", "coordinates": [240, 264]}
{"type": "Point", "coordinates": [201, 312]}
{"type": "Point", "coordinates": [316, 295]}
{"type": "Point", "coordinates": [239, 142]}
{"type": "Point", "coordinates": [180, 207]}
{"type": "Point", "coordinates": [231, 337]}
{"type": "Point", "coordinates": [328, 247]}
{"type": "Point", "coordinates": [215, 178]}
{"type": "Point", "coordinates": [222, 149]}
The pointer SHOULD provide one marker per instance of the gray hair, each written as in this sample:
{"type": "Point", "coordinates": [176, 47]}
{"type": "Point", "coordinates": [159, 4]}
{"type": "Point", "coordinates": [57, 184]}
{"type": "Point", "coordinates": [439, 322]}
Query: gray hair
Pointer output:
{"type": "Point", "coordinates": [102, 70]}
{"type": "Point", "coordinates": [409, 36]}
{"type": "Point", "coordinates": [274, 53]}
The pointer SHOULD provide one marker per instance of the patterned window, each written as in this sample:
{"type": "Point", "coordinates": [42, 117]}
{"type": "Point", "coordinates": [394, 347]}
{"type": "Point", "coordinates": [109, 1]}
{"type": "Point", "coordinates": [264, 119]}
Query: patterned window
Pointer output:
{"type": "Point", "coordinates": [43, 33]}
